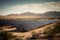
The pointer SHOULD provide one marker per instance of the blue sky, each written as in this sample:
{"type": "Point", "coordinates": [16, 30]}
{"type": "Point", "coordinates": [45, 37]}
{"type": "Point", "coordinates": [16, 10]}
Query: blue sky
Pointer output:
{"type": "Point", "coordinates": [20, 6]}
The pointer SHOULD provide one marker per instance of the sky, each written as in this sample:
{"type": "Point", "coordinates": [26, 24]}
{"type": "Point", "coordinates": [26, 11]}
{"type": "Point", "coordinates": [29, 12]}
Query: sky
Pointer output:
{"type": "Point", "coordinates": [21, 6]}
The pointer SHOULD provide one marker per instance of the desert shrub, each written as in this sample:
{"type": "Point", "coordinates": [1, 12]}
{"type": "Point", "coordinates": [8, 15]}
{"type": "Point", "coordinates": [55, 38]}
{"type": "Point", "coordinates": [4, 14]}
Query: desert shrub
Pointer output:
{"type": "Point", "coordinates": [6, 36]}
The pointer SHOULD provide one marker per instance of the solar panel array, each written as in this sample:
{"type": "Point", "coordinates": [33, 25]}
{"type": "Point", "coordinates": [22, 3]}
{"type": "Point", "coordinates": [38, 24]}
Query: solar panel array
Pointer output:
{"type": "Point", "coordinates": [27, 25]}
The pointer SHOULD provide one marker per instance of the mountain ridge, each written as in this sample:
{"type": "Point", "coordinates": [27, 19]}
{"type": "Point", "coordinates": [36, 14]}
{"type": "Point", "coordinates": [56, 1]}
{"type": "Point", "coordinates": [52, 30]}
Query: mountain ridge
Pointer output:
{"type": "Point", "coordinates": [49, 13]}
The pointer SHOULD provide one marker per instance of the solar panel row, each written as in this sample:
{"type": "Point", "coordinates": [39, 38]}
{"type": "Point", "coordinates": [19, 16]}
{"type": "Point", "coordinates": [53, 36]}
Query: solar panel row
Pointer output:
{"type": "Point", "coordinates": [29, 25]}
{"type": "Point", "coordinates": [26, 25]}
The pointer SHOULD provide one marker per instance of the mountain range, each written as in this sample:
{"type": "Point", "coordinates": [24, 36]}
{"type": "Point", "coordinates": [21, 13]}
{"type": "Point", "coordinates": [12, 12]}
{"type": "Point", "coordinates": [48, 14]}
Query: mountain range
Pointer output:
{"type": "Point", "coordinates": [50, 13]}
{"type": "Point", "coordinates": [24, 14]}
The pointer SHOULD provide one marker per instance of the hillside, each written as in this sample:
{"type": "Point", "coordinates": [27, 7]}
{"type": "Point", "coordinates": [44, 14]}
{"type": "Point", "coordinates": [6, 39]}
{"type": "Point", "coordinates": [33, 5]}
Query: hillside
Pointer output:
{"type": "Point", "coordinates": [50, 14]}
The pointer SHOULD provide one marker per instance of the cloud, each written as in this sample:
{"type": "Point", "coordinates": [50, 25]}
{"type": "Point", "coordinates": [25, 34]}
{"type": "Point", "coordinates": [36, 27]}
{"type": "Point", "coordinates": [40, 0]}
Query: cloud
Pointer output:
{"type": "Point", "coordinates": [38, 8]}
{"type": "Point", "coordinates": [30, 7]}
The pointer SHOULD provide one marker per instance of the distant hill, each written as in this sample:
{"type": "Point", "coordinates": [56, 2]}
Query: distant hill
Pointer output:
{"type": "Point", "coordinates": [29, 14]}
{"type": "Point", "coordinates": [52, 13]}
{"type": "Point", "coordinates": [13, 15]}
{"type": "Point", "coordinates": [24, 14]}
